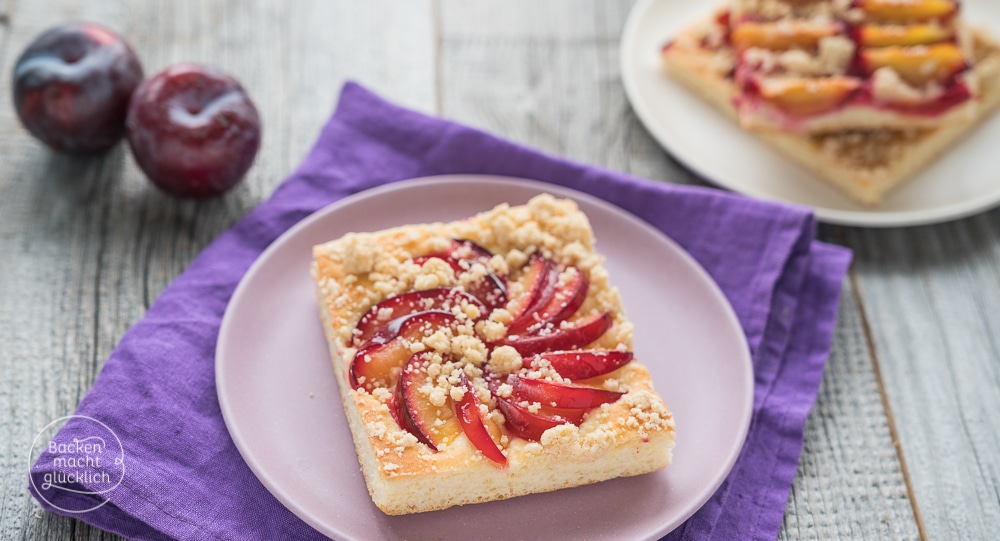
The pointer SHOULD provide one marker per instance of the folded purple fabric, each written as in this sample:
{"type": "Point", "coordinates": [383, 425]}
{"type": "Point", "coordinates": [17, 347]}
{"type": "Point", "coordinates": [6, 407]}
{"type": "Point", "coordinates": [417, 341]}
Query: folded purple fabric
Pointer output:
{"type": "Point", "coordinates": [185, 479]}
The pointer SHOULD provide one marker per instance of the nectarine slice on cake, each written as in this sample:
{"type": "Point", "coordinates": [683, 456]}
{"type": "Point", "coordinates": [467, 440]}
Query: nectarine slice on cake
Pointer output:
{"type": "Point", "coordinates": [918, 10]}
{"type": "Point", "coordinates": [916, 65]}
{"type": "Point", "coordinates": [871, 35]}
{"type": "Point", "coordinates": [803, 97]}
{"type": "Point", "coordinates": [781, 36]}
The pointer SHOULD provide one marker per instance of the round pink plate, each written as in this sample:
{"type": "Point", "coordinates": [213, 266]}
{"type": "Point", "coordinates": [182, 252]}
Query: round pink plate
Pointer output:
{"type": "Point", "coordinates": [282, 406]}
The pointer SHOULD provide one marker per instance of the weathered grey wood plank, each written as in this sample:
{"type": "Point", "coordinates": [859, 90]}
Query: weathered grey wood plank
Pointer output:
{"type": "Point", "coordinates": [554, 74]}
{"type": "Point", "coordinates": [88, 244]}
{"type": "Point", "coordinates": [849, 484]}
{"type": "Point", "coordinates": [546, 75]}
{"type": "Point", "coordinates": [932, 295]}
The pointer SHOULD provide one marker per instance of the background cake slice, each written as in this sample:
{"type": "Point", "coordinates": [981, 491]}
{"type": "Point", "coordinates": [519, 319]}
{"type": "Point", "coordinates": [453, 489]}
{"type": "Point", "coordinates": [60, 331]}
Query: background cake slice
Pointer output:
{"type": "Point", "coordinates": [486, 358]}
{"type": "Point", "coordinates": [865, 163]}
{"type": "Point", "coordinates": [823, 65]}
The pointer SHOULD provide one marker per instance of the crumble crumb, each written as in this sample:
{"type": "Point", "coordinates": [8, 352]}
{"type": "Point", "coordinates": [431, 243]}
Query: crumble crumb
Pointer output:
{"type": "Point", "coordinates": [469, 348]}
{"type": "Point", "coordinates": [833, 58]}
{"type": "Point", "coordinates": [358, 253]}
{"type": "Point", "coordinates": [491, 331]}
{"type": "Point", "coordinates": [504, 390]}
{"type": "Point", "coordinates": [505, 360]}
{"type": "Point", "coordinates": [434, 274]}
{"type": "Point", "coordinates": [889, 87]}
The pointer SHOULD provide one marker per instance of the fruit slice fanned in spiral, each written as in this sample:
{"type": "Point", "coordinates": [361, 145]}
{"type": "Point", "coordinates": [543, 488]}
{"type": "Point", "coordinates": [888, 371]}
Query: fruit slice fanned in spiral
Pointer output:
{"type": "Point", "coordinates": [542, 330]}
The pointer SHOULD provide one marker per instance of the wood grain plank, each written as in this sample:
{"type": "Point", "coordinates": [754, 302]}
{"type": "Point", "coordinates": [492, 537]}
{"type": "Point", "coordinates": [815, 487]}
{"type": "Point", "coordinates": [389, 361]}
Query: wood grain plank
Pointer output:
{"type": "Point", "coordinates": [551, 81]}
{"type": "Point", "coordinates": [88, 244]}
{"type": "Point", "coordinates": [547, 75]}
{"type": "Point", "coordinates": [932, 294]}
{"type": "Point", "coordinates": [849, 467]}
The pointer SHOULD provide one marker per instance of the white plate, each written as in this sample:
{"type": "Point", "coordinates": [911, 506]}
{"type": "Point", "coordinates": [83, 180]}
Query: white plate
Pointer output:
{"type": "Point", "coordinates": [964, 181]}
{"type": "Point", "coordinates": [282, 407]}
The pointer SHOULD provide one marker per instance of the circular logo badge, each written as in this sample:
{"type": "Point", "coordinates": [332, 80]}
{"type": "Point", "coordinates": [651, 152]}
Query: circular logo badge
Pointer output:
{"type": "Point", "coordinates": [78, 466]}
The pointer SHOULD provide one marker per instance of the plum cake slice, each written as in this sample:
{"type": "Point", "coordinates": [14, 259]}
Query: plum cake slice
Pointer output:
{"type": "Point", "coordinates": [486, 358]}
{"type": "Point", "coordinates": [908, 83]}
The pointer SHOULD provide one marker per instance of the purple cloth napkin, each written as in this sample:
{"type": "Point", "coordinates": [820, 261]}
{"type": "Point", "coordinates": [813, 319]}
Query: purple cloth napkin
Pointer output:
{"type": "Point", "coordinates": [183, 477]}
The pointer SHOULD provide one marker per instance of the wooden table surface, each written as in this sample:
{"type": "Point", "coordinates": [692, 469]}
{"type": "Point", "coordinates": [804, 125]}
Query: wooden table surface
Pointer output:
{"type": "Point", "coordinates": [903, 440]}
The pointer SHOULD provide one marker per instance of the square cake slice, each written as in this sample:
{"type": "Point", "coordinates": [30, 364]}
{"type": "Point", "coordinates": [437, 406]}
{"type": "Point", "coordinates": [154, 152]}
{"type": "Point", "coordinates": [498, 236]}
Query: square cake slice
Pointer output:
{"type": "Point", "coordinates": [822, 65]}
{"type": "Point", "coordinates": [866, 163]}
{"type": "Point", "coordinates": [486, 358]}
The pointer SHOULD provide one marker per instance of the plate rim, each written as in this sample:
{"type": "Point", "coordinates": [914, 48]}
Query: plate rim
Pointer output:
{"type": "Point", "coordinates": [282, 494]}
{"type": "Point", "coordinates": [859, 218]}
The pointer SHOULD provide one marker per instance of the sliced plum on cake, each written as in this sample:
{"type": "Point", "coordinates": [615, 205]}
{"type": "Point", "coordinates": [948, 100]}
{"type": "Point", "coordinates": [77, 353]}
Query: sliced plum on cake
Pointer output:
{"type": "Point", "coordinates": [548, 302]}
{"type": "Point", "coordinates": [541, 334]}
{"type": "Point", "coordinates": [379, 361]}
{"type": "Point", "coordinates": [533, 406]}
{"type": "Point", "coordinates": [526, 425]}
{"type": "Point", "coordinates": [438, 420]}
{"type": "Point", "coordinates": [585, 331]}
{"type": "Point", "coordinates": [443, 299]}
{"type": "Point", "coordinates": [560, 395]}
{"type": "Point", "coordinates": [540, 324]}
{"type": "Point", "coordinates": [581, 364]}
{"type": "Point", "coordinates": [434, 425]}
{"type": "Point", "coordinates": [475, 428]}
{"type": "Point", "coordinates": [540, 276]}
{"type": "Point", "coordinates": [437, 405]}
{"type": "Point", "coordinates": [465, 256]}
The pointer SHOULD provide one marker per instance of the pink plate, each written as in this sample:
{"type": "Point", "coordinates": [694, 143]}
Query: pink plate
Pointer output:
{"type": "Point", "coordinates": [282, 406]}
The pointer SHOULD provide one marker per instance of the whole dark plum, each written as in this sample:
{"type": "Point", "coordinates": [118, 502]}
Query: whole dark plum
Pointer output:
{"type": "Point", "coordinates": [193, 130]}
{"type": "Point", "coordinates": [72, 86]}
